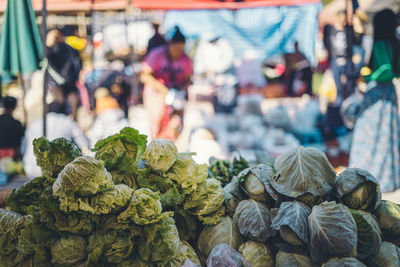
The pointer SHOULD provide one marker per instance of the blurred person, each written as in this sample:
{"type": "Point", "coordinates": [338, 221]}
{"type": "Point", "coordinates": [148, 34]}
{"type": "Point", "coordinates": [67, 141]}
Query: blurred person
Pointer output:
{"type": "Point", "coordinates": [338, 41]}
{"type": "Point", "coordinates": [58, 125]}
{"type": "Point", "coordinates": [298, 68]}
{"type": "Point", "coordinates": [167, 71]}
{"type": "Point", "coordinates": [110, 117]}
{"type": "Point", "coordinates": [376, 136]}
{"type": "Point", "coordinates": [11, 130]}
{"type": "Point", "coordinates": [157, 39]}
{"type": "Point", "coordinates": [65, 63]}
{"type": "Point", "coordinates": [213, 55]}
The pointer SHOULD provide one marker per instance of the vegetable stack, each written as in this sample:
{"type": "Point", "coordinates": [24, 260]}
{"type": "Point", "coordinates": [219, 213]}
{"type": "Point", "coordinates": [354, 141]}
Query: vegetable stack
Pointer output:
{"type": "Point", "coordinates": [148, 205]}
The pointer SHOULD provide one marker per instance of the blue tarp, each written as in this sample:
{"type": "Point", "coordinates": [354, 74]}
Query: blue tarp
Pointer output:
{"type": "Point", "coordinates": [269, 30]}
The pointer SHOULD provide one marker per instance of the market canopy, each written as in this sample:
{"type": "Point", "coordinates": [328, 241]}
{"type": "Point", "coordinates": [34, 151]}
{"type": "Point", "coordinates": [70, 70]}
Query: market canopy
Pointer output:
{"type": "Point", "coordinates": [214, 4]}
{"type": "Point", "coordinates": [104, 5]}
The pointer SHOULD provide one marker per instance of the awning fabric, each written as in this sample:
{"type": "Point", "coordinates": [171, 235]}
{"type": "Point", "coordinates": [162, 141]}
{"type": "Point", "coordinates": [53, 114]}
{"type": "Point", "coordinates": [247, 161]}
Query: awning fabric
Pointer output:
{"type": "Point", "coordinates": [214, 4]}
{"type": "Point", "coordinates": [104, 5]}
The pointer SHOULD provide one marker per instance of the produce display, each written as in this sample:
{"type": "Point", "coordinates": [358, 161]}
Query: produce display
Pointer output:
{"type": "Point", "coordinates": [139, 204]}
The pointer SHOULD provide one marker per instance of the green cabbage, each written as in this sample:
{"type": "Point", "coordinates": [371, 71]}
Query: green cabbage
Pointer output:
{"type": "Point", "coordinates": [69, 251]}
{"type": "Point", "coordinates": [303, 171]}
{"type": "Point", "coordinates": [292, 222]}
{"type": "Point", "coordinates": [368, 233]}
{"type": "Point", "coordinates": [343, 262]}
{"type": "Point", "coordinates": [80, 179]}
{"type": "Point", "coordinates": [212, 218]}
{"type": "Point", "coordinates": [207, 198]}
{"type": "Point", "coordinates": [284, 259]}
{"type": "Point", "coordinates": [333, 232]}
{"type": "Point", "coordinates": [53, 156]}
{"type": "Point", "coordinates": [187, 173]}
{"type": "Point", "coordinates": [225, 232]}
{"type": "Point", "coordinates": [170, 193]}
{"type": "Point", "coordinates": [122, 178]}
{"type": "Point", "coordinates": [253, 220]}
{"type": "Point", "coordinates": [187, 224]}
{"type": "Point", "coordinates": [388, 216]}
{"type": "Point", "coordinates": [185, 252]}
{"type": "Point", "coordinates": [257, 254]}
{"type": "Point", "coordinates": [25, 200]}
{"type": "Point", "coordinates": [144, 208]}
{"type": "Point", "coordinates": [159, 242]}
{"type": "Point", "coordinates": [121, 152]}
{"type": "Point", "coordinates": [160, 155]}
{"type": "Point", "coordinates": [358, 189]}
{"type": "Point", "coordinates": [111, 200]}
{"type": "Point", "coordinates": [388, 256]}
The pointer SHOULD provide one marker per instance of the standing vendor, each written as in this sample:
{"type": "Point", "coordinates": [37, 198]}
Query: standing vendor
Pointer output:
{"type": "Point", "coordinates": [166, 67]}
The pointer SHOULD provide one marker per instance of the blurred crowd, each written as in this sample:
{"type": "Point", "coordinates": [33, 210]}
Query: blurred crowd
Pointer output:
{"type": "Point", "coordinates": [364, 101]}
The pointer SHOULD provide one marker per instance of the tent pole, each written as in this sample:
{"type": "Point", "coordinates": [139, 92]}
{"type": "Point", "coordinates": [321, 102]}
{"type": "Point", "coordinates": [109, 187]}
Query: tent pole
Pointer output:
{"type": "Point", "coordinates": [44, 34]}
{"type": "Point", "coordinates": [22, 84]}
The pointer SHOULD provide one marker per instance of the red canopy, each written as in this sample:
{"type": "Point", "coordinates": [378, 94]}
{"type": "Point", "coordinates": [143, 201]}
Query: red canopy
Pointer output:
{"type": "Point", "coordinates": [214, 4]}
{"type": "Point", "coordinates": [85, 5]}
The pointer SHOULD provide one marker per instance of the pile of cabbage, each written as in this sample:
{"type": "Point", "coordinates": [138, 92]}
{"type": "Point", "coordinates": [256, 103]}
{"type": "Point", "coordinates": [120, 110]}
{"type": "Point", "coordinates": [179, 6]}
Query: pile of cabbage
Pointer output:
{"type": "Point", "coordinates": [134, 204]}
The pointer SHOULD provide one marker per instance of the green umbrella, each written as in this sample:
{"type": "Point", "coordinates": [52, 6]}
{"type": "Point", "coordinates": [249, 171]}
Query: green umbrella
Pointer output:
{"type": "Point", "coordinates": [20, 41]}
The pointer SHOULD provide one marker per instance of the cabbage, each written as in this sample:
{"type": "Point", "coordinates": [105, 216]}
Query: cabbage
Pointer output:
{"type": "Point", "coordinates": [257, 254]}
{"type": "Point", "coordinates": [187, 173]}
{"type": "Point", "coordinates": [122, 178]}
{"type": "Point", "coordinates": [343, 262]}
{"type": "Point", "coordinates": [207, 198]}
{"type": "Point", "coordinates": [225, 256]}
{"type": "Point", "coordinates": [233, 195]}
{"type": "Point", "coordinates": [292, 222]}
{"type": "Point", "coordinates": [225, 232]}
{"type": "Point", "coordinates": [333, 232]}
{"type": "Point", "coordinates": [170, 193]}
{"type": "Point", "coordinates": [53, 156]}
{"type": "Point", "coordinates": [160, 242]}
{"type": "Point", "coordinates": [160, 155]}
{"type": "Point", "coordinates": [83, 177]}
{"type": "Point", "coordinates": [187, 225]}
{"type": "Point", "coordinates": [388, 255]}
{"type": "Point", "coordinates": [388, 216]}
{"type": "Point", "coordinates": [69, 251]}
{"type": "Point", "coordinates": [284, 259]}
{"type": "Point", "coordinates": [368, 233]}
{"type": "Point", "coordinates": [25, 200]}
{"type": "Point", "coordinates": [111, 200]}
{"type": "Point", "coordinates": [253, 220]}
{"type": "Point", "coordinates": [254, 182]}
{"type": "Point", "coordinates": [358, 189]}
{"type": "Point", "coordinates": [185, 252]}
{"type": "Point", "coordinates": [212, 218]}
{"type": "Point", "coordinates": [144, 208]}
{"type": "Point", "coordinates": [121, 152]}
{"type": "Point", "coordinates": [303, 171]}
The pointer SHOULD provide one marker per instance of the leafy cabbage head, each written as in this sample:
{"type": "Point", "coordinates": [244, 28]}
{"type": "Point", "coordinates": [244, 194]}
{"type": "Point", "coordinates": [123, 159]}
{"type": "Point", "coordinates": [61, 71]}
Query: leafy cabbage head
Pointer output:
{"type": "Point", "coordinates": [257, 254]}
{"type": "Point", "coordinates": [159, 242]}
{"type": "Point", "coordinates": [206, 199]}
{"type": "Point", "coordinates": [187, 173]}
{"type": "Point", "coordinates": [302, 171]}
{"type": "Point", "coordinates": [83, 177]}
{"type": "Point", "coordinates": [185, 252]}
{"type": "Point", "coordinates": [343, 261]}
{"type": "Point", "coordinates": [284, 259]}
{"type": "Point", "coordinates": [388, 255]}
{"type": "Point", "coordinates": [225, 255]}
{"type": "Point", "coordinates": [368, 234]}
{"type": "Point", "coordinates": [69, 251]}
{"type": "Point", "coordinates": [52, 156]}
{"type": "Point", "coordinates": [144, 208]}
{"type": "Point", "coordinates": [160, 155]}
{"type": "Point", "coordinates": [225, 232]}
{"type": "Point", "coordinates": [358, 189]}
{"type": "Point", "coordinates": [111, 200]}
{"type": "Point", "coordinates": [333, 232]}
{"type": "Point", "coordinates": [388, 216]}
{"type": "Point", "coordinates": [121, 151]}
